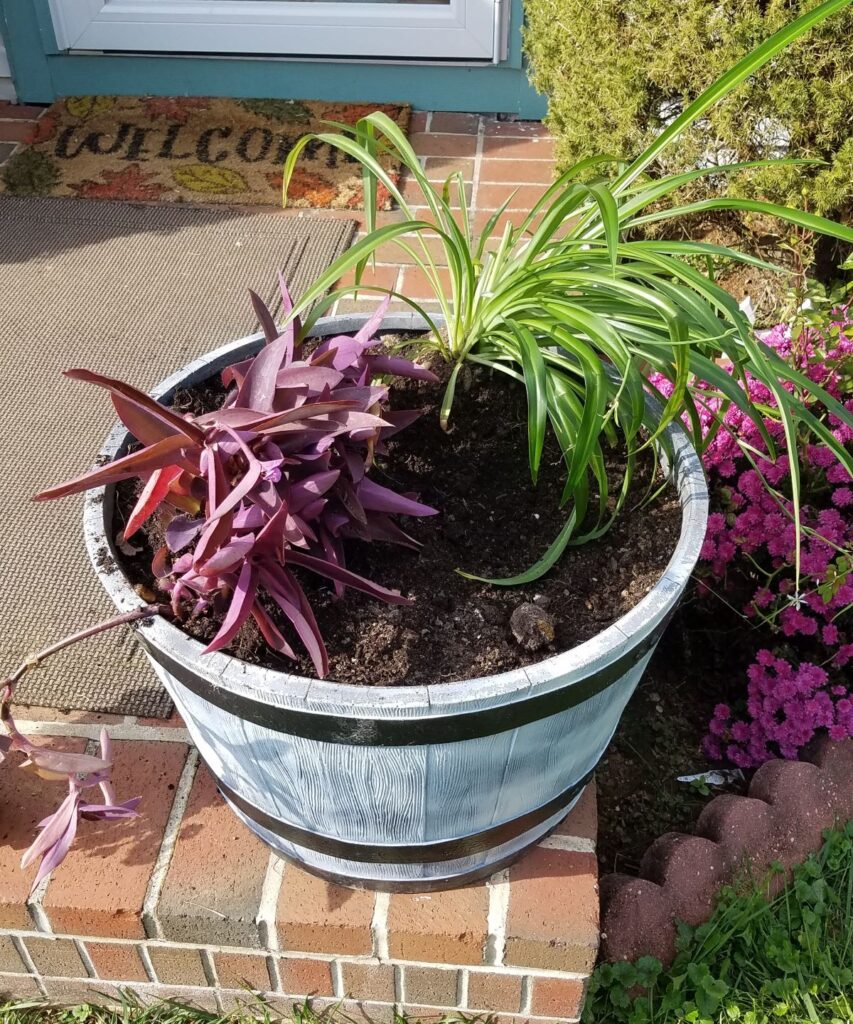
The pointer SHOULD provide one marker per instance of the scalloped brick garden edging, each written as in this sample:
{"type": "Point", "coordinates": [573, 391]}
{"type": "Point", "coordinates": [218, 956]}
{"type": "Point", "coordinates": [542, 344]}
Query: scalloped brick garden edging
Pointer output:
{"type": "Point", "coordinates": [788, 806]}
{"type": "Point", "coordinates": [186, 903]}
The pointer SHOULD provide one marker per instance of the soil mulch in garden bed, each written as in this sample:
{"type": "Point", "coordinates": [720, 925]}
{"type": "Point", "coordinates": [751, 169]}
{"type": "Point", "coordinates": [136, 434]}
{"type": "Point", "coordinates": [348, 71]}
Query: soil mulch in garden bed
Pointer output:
{"type": "Point", "coordinates": [701, 661]}
{"type": "Point", "coordinates": [492, 522]}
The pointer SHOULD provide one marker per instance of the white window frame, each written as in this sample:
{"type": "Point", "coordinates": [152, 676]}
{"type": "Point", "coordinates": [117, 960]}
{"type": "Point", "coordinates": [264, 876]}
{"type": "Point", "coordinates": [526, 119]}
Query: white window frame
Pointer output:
{"type": "Point", "coordinates": [457, 30]}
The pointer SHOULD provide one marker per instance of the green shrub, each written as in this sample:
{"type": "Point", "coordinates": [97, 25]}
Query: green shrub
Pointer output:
{"type": "Point", "coordinates": [614, 69]}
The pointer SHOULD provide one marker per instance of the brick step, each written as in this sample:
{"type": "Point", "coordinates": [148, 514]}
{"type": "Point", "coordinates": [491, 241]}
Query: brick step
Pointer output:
{"type": "Point", "coordinates": [187, 903]}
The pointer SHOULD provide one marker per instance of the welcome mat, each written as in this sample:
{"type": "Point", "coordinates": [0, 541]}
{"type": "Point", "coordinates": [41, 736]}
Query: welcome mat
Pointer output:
{"type": "Point", "coordinates": [191, 149]}
{"type": "Point", "coordinates": [136, 292]}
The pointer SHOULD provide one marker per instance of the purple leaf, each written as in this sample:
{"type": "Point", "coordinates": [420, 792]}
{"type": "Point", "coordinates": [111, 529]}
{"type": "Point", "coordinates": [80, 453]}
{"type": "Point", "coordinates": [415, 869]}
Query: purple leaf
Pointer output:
{"type": "Point", "coordinates": [311, 378]}
{"type": "Point", "coordinates": [399, 420]}
{"type": "Point", "coordinates": [367, 331]}
{"type": "Point", "coordinates": [312, 487]}
{"type": "Point", "coordinates": [240, 490]}
{"type": "Point", "coordinates": [359, 421]}
{"type": "Point", "coordinates": [153, 495]}
{"type": "Point", "coordinates": [57, 764]}
{"type": "Point", "coordinates": [349, 579]}
{"type": "Point", "coordinates": [270, 632]}
{"type": "Point", "coordinates": [334, 552]}
{"type": "Point", "coordinates": [52, 828]}
{"type": "Point", "coordinates": [381, 527]}
{"type": "Point", "coordinates": [239, 610]}
{"type": "Point", "coordinates": [182, 530]}
{"type": "Point", "coordinates": [287, 309]}
{"type": "Point", "coordinates": [258, 388]}
{"type": "Point", "coordinates": [151, 410]}
{"type": "Point", "coordinates": [365, 396]}
{"type": "Point", "coordinates": [301, 414]}
{"type": "Point", "coordinates": [236, 418]}
{"type": "Point", "coordinates": [251, 518]}
{"type": "Point", "coordinates": [55, 852]}
{"type": "Point", "coordinates": [236, 372]}
{"type": "Point", "coordinates": [288, 595]}
{"type": "Point", "coordinates": [146, 460]}
{"type": "Point", "coordinates": [348, 494]}
{"type": "Point", "coordinates": [111, 811]}
{"type": "Point", "coordinates": [270, 539]}
{"type": "Point", "coordinates": [340, 353]}
{"type": "Point", "coordinates": [106, 745]}
{"type": "Point", "coordinates": [264, 317]}
{"type": "Point", "coordinates": [400, 368]}
{"type": "Point", "coordinates": [376, 498]}
{"type": "Point", "coordinates": [227, 557]}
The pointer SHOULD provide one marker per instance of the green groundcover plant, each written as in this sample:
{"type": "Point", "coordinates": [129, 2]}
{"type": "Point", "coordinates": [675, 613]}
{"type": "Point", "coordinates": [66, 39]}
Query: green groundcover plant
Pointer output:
{"type": "Point", "coordinates": [253, 1010]}
{"type": "Point", "coordinates": [577, 306]}
{"type": "Point", "coordinates": [615, 70]}
{"type": "Point", "coordinates": [788, 960]}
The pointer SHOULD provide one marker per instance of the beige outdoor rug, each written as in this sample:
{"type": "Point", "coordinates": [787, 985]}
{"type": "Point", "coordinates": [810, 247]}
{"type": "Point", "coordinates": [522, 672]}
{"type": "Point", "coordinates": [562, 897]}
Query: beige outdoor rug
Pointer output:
{"type": "Point", "coordinates": [191, 149]}
{"type": "Point", "coordinates": [133, 292]}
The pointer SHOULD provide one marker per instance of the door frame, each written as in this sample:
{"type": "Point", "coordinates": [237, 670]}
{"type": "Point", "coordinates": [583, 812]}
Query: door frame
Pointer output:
{"type": "Point", "coordinates": [452, 30]}
{"type": "Point", "coordinates": [42, 73]}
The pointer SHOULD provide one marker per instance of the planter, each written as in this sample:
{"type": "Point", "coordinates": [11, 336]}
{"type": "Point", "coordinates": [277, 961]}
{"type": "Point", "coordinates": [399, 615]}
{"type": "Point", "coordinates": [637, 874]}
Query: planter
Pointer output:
{"type": "Point", "coordinates": [404, 787]}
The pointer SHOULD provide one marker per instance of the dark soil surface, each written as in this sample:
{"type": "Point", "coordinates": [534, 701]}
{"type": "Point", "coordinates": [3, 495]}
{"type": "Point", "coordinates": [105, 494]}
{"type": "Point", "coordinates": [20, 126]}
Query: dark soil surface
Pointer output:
{"type": "Point", "coordinates": [492, 522]}
{"type": "Point", "coordinates": [701, 661]}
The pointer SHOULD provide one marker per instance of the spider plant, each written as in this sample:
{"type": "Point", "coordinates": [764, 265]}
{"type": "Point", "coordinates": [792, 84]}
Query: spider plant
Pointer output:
{"type": "Point", "coordinates": [577, 305]}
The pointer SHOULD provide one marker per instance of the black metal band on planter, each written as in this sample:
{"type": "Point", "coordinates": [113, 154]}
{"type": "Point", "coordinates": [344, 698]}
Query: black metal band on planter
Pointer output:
{"type": "Point", "coordinates": [405, 732]}
{"type": "Point", "coordinates": [419, 853]}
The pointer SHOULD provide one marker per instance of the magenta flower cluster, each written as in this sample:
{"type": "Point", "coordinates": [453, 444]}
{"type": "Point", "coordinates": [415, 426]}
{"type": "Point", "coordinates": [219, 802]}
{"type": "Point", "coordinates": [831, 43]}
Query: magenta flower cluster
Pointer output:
{"type": "Point", "coordinates": [751, 541]}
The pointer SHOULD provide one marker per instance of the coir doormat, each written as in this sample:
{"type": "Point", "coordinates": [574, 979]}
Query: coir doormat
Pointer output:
{"type": "Point", "coordinates": [134, 291]}
{"type": "Point", "coordinates": [190, 149]}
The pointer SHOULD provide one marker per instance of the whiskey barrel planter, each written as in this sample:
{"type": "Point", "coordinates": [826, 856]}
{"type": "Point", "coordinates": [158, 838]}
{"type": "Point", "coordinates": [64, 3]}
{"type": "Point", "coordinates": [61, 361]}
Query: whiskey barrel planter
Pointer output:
{"type": "Point", "coordinates": [403, 787]}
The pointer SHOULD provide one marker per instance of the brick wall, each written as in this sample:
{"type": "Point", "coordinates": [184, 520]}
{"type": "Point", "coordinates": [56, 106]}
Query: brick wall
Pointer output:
{"type": "Point", "coordinates": [187, 904]}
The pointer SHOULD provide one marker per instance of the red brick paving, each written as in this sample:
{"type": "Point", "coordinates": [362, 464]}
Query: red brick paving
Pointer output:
{"type": "Point", "coordinates": [301, 976]}
{"type": "Point", "coordinates": [24, 800]}
{"type": "Point", "coordinates": [539, 931]}
{"type": "Point", "coordinates": [315, 916]}
{"type": "Point", "coordinates": [116, 961]}
{"type": "Point", "coordinates": [101, 887]}
{"type": "Point", "coordinates": [212, 844]}
{"type": "Point", "coordinates": [582, 820]}
{"type": "Point", "coordinates": [446, 927]}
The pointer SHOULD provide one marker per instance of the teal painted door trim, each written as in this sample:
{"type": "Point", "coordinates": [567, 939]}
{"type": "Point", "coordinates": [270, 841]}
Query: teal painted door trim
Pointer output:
{"type": "Point", "coordinates": [41, 74]}
{"type": "Point", "coordinates": [493, 88]}
{"type": "Point", "coordinates": [26, 49]}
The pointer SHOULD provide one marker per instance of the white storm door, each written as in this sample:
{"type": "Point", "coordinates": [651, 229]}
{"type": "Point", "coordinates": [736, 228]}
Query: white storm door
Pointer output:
{"type": "Point", "coordinates": [388, 29]}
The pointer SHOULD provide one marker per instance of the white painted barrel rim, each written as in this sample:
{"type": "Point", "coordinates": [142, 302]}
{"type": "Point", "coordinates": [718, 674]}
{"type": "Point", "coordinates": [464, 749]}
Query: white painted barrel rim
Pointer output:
{"type": "Point", "coordinates": [366, 710]}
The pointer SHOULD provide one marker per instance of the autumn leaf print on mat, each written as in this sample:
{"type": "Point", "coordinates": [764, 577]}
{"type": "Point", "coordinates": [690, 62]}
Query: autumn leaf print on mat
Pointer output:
{"type": "Point", "coordinates": [130, 183]}
{"type": "Point", "coordinates": [191, 149]}
{"type": "Point", "coordinates": [210, 178]}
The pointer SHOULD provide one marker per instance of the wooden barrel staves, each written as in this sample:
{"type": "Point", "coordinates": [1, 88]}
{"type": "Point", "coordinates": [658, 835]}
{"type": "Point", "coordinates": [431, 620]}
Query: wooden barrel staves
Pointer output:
{"type": "Point", "coordinates": [404, 787]}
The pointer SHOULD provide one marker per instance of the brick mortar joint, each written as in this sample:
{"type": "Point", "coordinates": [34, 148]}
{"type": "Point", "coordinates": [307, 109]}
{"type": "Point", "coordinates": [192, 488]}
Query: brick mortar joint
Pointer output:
{"type": "Point", "coordinates": [151, 900]}
{"type": "Point", "coordinates": [154, 988]}
{"type": "Point", "coordinates": [143, 946]}
{"type": "Point", "coordinates": [126, 730]}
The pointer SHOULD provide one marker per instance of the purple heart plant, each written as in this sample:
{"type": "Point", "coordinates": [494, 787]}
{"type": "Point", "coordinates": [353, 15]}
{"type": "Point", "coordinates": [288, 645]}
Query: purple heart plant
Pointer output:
{"type": "Point", "coordinates": [275, 479]}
